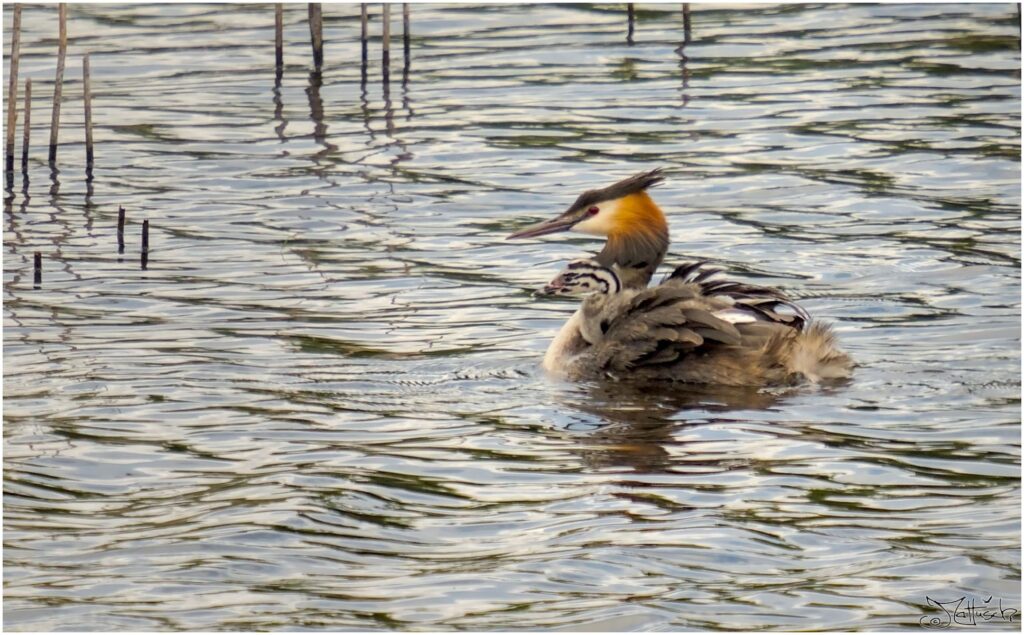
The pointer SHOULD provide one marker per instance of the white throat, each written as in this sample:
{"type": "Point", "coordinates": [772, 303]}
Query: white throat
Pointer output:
{"type": "Point", "coordinates": [562, 347]}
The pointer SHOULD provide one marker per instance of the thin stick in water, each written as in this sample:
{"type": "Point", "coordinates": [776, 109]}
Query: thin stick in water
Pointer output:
{"type": "Point", "coordinates": [364, 31]}
{"type": "Point", "coordinates": [405, 33]}
{"type": "Point", "coordinates": [12, 90]}
{"type": "Point", "coordinates": [28, 126]}
{"type": "Point", "coordinates": [87, 98]}
{"type": "Point", "coordinates": [120, 229]}
{"type": "Point", "coordinates": [145, 243]}
{"type": "Point", "coordinates": [62, 49]}
{"type": "Point", "coordinates": [386, 60]}
{"type": "Point", "coordinates": [37, 271]}
{"type": "Point", "coordinates": [630, 16]}
{"type": "Point", "coordinates": [279, 37]}
{"type": "Point", "coordinates": [363, 38]}
{"type": "Point", "coordinates": [316, 32]}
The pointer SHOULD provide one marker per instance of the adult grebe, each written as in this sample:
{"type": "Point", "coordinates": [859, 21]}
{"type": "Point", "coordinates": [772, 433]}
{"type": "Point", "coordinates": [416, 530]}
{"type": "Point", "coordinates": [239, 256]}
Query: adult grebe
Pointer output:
{"type": "Point", "coordinates": [689, 328]}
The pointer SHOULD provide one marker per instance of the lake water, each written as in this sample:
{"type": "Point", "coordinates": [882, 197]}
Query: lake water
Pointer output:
{"type": "Point", "coordinates": [320, 405]}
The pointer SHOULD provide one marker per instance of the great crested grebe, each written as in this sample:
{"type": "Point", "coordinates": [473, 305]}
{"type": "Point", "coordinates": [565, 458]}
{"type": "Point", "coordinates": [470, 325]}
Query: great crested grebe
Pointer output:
{"type": "Point", "coordinates": [689, 328]}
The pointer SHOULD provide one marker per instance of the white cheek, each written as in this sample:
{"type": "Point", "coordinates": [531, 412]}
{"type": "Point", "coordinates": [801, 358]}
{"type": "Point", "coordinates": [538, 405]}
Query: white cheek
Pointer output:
{"type": "Point", "coordinates": [600, 224]}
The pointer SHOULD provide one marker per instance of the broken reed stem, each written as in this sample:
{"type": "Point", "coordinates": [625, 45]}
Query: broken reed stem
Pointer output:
{"type": "Point", "coordinates": [631, 16]}
{"type": "Point", "coordinates": [120, 229]}
{"type": "Point", "coordinates": [686, 22]}
{"type": "Point", "coordinates": [405, 33]}
{"type": "Point", "coordinates": [279, 36]}
{"type": "Point", "coordinates": [62, 50]}
{"type": "Point", "coordinates": [386, 59]}
{"type": "Point", "coordinates": [87, 99]}
{"type": "Point", "coordinates": [37, 271]}
{"type": "Point", "coordinates": [12, 88]}
{"type": "Point", "coordinates": [364, 32]}
{"type": "Point", "coordinates": [316, 32]}
{"type": "Point", "coordinates": [28, 125]}
{"type": "Point", "coordinates": [145, 243]}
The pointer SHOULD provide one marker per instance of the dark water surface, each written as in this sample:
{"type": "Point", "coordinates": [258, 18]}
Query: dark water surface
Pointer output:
{"type": "Point", "coordinates": [320, 407]}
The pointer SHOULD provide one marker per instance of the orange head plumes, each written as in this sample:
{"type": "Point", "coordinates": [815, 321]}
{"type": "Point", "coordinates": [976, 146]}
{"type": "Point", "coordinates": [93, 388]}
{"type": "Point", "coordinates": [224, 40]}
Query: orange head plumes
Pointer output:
{"type": "Point", "coordinates": [616, 209]}
{"type": "Point", "coordinates": [634, 214]}
{"type": "Point", "coordinates": [624, 213]}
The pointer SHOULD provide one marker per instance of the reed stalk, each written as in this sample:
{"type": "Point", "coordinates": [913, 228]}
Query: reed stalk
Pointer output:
{"type": "Point", "coordinates": [12, 89]}
{"type": "Point", "coordinates": [58, 85]}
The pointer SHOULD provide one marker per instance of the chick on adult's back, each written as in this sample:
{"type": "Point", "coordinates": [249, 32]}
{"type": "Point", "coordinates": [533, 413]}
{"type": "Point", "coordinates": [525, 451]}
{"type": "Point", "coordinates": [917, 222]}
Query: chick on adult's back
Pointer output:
{"type": "Point", "coordinates": [687, 329]}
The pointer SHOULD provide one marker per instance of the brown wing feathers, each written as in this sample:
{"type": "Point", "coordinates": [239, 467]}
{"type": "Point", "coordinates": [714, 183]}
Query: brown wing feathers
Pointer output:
{"type": "Point", "coordinates": [761, 302]}
{"type": "Point", "coordinates": [659, 326]}
{"type": "Point", "coordinates": [662, 324]}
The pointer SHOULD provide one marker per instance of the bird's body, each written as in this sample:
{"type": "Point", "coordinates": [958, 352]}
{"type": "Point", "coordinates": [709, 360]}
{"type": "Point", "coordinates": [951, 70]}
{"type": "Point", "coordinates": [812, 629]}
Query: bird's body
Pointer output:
{"type": "Point", "coordinates": [687, 329]}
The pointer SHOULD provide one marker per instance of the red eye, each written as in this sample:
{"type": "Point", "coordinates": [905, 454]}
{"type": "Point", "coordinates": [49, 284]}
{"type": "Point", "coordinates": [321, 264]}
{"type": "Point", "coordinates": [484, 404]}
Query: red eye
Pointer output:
{"type": "Point", "coordinates": [593, 210]}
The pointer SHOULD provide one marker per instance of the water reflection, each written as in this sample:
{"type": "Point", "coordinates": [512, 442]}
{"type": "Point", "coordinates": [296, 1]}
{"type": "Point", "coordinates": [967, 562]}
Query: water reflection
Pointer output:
{"type": "Point", "coordinates": [684, 70]}
{"type": "Point", "coordinates": [406, 102]}
{"type": "Point", "coordinates": [62, 232]}
{"type": "Point", "coordinates": [88, 207]}
{"type": "Point", "coordinates": [54, 181]}
{"type": "Point", "coordinates": [13, 219]}
{"type": "Point", "coordinates": [629, 424]}
{"type": "Point", "coordinates": [279, 109]}
{"type": "Point", "coordinates": [316, 107]}
{"type": "Point", "coordinates": [364, 107]}
{"type": "Point", "coordinates": [389, 114]}
{"type": "Point", "coordinates": [335, 361]}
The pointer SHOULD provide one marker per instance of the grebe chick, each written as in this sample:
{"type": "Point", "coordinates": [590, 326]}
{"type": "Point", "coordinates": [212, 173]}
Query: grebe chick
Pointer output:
{"type": "Point", "coordinates": [687, 329]}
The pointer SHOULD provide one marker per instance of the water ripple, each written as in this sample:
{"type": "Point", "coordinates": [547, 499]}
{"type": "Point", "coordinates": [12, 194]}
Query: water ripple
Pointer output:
{"type": "Point", "coordinates": [319, 406]}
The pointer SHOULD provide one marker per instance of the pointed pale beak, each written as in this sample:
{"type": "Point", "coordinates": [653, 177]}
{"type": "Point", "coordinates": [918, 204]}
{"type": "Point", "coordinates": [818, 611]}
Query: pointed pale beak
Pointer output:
{"type": "Point", "coordinates": [557, 224]}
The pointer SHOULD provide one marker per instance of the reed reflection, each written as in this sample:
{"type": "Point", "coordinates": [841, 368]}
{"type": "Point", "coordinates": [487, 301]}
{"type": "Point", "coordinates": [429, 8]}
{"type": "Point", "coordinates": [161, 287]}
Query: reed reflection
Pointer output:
{"type": "Point", "coordinates": [389, 114]}
{"type": "Point", "coordinates": [684, 70]}
{"type": "Point", "coordinates": [54, 182]}
{"type": "Point", "coordinates": [316, 114]}
{"type": "Point", "coordinates": [12, 218]}
{"type": "Point", "coordinates": [88, 207]}
{"type": "Point", "coordinates": [364, 107]}
{"type": "Point", "coordinates": [316, 106]}
{"type": "Point", "coordinates": [406, 102]}
{"type": "Point", "coordinates": [59, 215]}
{"type": "Point", "coordinates": [279, 109]}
